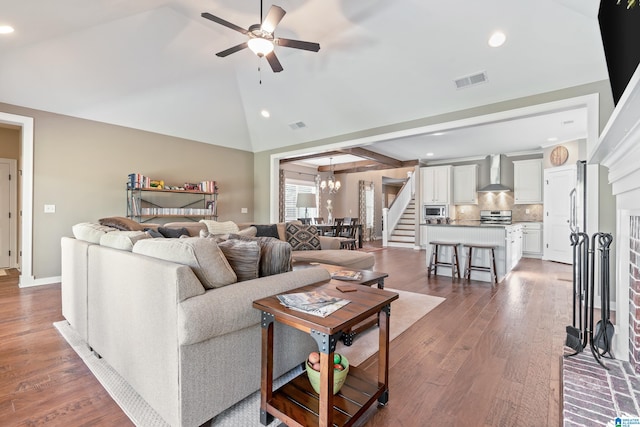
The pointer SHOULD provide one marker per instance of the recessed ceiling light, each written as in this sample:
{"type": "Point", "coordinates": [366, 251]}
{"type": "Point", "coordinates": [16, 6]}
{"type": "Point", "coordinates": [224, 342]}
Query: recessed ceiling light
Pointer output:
{"type": "Point", "coordinates": [437, 133]}
{"type": "Point", "coordinates": [497, 39]}
{"type": "Point", "coordinates": [265, 113]}
{"type": "Point", "coordinates": [6, 29]}
{"type": "Point", "coordinates": [429, 154]}
{"type": "Point", "coordinates": [552, 139]}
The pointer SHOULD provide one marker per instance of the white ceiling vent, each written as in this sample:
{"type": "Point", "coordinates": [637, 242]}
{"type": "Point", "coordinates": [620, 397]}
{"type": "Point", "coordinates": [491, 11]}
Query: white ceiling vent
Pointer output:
{"type": "Point", "coordinates": [471, 80]}
{"type": "Point", "coordinates": [297, 125]}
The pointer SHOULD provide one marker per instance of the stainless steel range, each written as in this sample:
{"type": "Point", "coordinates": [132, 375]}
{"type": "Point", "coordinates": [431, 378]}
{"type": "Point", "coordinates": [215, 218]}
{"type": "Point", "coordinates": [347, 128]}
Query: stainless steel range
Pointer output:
{"type": "Point", "coordinates": [495, 217]}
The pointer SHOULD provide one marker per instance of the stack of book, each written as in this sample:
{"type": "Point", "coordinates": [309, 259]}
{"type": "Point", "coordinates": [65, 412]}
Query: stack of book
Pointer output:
{"type": "Point", "coordinates": [209, 187]}
{"type": "Point", "coordinates": [137, 180]}
{"type": "Point", "coordinates": [316, 303]}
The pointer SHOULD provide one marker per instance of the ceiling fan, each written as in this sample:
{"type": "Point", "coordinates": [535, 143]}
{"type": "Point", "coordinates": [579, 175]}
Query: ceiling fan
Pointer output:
{"type": "Point", "coordinates": [261, 39]}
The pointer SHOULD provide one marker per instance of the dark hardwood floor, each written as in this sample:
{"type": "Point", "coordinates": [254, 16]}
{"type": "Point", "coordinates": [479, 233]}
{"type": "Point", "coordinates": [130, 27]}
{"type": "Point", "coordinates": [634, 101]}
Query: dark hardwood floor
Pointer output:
{"type": "Point", "coordinates": [487, 356]}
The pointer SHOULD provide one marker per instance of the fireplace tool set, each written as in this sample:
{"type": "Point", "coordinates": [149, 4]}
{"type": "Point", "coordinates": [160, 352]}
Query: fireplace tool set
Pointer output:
{"type": "Point", "coordinates": [582, 333]}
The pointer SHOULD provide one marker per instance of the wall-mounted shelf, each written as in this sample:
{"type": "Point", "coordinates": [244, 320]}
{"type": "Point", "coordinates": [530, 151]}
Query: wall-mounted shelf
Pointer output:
{"type": "Point", "coordinates": [145, 204]}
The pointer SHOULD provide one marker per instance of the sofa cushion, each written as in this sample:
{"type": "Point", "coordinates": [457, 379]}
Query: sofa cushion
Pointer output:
{"type": "Point", "coordinates": [303, 237]}
{"type": "Point", "coordinates": [123, 240]}
{"type": "Point", "coordinates": [90, 231]}
{"type": "Point", "coordinates": [249, 232]}
{"type": "Point", "coordinates": [348, 259]}
{"type": "Point", "coordinates": [121, 223]}
{"type": "Point", "coordinates": [173, 232]}
{"type": "Point", "coordinates": [203, 256]}
{"type": "Point", "coordinates": [270, 230]}
{"type": "Point", "coordinates": [243, 256]}
{"type": "Point", "coordinates": [193, 227]}
{"type": "Point", "coordinates": [275, 255]}
{"type": "Point", "coordinates": [215, 227]}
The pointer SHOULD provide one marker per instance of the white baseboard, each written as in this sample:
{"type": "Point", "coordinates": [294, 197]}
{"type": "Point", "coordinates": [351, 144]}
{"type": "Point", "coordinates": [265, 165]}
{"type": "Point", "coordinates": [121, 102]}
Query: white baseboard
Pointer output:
{"type": "Point", "coordinates": [27, 282]}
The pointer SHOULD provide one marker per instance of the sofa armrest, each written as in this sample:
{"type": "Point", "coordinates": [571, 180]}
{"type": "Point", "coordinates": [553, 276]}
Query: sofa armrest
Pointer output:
{"type": "Point", "coordinates": [230, 308]}
{"type": "Point", "coordinates": [327, 242]}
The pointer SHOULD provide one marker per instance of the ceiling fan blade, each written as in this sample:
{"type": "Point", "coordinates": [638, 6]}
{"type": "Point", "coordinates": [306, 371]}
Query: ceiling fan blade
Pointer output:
{"type": "Point", "coordinates": [221, 21]}
{"type": "Point", "coordinates": [273, 18]}
{"type": "Point", "coordinates": [231, 50]}
{"type": "Point", "coordinates": [298, 44]}
{"type": "Point", "coordinates": [273, 61]}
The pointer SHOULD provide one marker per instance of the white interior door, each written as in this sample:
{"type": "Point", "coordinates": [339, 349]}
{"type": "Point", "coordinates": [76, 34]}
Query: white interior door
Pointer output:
{"type": "Point", "coordinates": [5, 209]}
{"type": "Point", "coordinates": [558, 183]}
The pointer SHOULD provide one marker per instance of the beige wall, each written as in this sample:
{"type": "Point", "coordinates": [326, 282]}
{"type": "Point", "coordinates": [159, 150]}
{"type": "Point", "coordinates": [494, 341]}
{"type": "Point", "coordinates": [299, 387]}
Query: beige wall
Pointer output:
{"type": "Point", "coordinates": [262, 159]}
{"type": "Point", "coordinates": [9, 143]}
{"type": "Point", "coordinates": [81, 166]}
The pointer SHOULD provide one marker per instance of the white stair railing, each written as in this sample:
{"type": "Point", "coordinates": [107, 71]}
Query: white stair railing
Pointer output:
{"type": "Point", "coordinates": [391, 215]}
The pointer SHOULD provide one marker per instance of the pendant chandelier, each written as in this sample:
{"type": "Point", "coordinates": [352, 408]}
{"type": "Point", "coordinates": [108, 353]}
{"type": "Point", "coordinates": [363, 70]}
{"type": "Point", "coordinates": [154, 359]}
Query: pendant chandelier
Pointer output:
{"type": "Point", "coordinates": [331, 184]}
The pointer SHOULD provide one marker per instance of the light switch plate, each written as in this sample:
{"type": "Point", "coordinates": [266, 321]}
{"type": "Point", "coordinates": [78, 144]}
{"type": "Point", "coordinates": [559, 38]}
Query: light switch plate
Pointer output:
{"type": "Point", "coordinates": [244, 210]}
{"type": "Point", "coordinates": [49, 208]}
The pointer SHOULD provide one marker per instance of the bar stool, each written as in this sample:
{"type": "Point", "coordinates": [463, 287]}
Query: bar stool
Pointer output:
{"type": "Point", "coordinates": [434, 262]}
{"type": "Point", "coordinates": [491, 269]}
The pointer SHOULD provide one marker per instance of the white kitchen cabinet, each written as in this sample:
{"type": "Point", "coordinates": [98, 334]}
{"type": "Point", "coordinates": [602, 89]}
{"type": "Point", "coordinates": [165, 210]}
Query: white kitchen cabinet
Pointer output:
{"type": "Point", "coordinates": [465, 185]}
{"type": "Point", "coordinates": [532, 239]}
{"type": "Point", "coordinates": [436, 185]}
{"type": "Point", "coordinates": [527, 181]}
{"type": "Point", "coordinates": [513, 237]}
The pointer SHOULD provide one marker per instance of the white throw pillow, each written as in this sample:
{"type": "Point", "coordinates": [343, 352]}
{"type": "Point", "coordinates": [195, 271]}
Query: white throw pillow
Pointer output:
{"type": "Point", "coordinates": [216, 227]}
{"type": "Point", "coordinates": [123, 240]}
{"type": "Point", "coordinates": [90, 231]}
{"type": "Point", "coordinates": [203, 256]}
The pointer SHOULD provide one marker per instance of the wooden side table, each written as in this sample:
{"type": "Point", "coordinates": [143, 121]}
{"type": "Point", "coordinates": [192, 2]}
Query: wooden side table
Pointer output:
{"type": "Point", "coordinates": [368, 278]}
{"type": "Point", "coordinates": [296, 403]}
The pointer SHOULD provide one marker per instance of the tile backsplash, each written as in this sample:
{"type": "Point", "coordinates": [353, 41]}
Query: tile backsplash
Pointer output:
{"type": "Point", "coordinates": [500, 201]}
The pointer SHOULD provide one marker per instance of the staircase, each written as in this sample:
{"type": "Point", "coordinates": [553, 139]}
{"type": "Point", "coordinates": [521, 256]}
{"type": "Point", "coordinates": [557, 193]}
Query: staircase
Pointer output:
{"type": "Point", "coordinates": [404, 234]}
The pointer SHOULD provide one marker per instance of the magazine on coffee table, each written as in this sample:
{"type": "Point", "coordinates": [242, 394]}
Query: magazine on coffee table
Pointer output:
{"type": "Point", "coordinates": [316, 303]}
{"type": "Point", "coordinates": [346, 275]}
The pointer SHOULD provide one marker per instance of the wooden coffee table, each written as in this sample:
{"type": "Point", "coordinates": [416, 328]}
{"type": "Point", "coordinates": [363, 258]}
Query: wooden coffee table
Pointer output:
{"type": "Point", "coordinates": [296, 403]}
{"type": "Point", "coordinates": [368, 278]}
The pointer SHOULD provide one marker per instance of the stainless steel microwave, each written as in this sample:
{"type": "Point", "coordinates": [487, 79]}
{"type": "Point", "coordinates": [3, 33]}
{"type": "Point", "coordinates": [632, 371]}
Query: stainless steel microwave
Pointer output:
{"type": "Point", "coordinates": [435, 211]}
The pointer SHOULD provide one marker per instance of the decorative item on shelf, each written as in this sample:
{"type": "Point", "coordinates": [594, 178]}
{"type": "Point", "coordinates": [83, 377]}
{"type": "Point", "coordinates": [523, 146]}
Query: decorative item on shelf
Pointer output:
{"type": "Point", "coordinates": [331, 184]}
{"type": "Point", "coordinates": [306, 201]}
{"type": "Point", "coordinates": [157, 183]}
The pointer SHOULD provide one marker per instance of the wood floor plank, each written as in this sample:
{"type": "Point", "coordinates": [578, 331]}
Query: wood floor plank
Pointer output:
{"type": "Point", "coordinates": [488, 355]}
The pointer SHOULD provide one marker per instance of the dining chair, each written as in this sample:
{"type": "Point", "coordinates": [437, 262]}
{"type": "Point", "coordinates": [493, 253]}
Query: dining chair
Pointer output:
{"type": "Point", "coordinates": [318, 220]}
{"type": "Point", "coordinates": [337, 227]}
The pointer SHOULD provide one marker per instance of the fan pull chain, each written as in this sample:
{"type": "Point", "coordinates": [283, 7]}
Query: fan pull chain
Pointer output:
{"type": "Point", "coordinates": [259, 75]}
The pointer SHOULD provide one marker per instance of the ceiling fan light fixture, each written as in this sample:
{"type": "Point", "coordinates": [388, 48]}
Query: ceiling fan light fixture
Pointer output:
{"type": "Point", "coordinates": [260, 46]}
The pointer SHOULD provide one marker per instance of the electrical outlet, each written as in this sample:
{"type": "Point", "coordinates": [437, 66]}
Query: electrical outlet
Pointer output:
{"type": "Point", "coordinates": [461, 210]}
{"type": "Point", "coordinates": [527, 211]}
{"type": "Point", "coordinates": [49, 208]}
{"type": "Point", "coordinates": [244, 210]}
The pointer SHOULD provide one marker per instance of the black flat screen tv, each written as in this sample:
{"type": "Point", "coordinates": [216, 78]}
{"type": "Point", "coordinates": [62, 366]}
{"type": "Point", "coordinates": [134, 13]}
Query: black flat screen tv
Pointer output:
{"type": "Point", "coordinates": [620, 31]}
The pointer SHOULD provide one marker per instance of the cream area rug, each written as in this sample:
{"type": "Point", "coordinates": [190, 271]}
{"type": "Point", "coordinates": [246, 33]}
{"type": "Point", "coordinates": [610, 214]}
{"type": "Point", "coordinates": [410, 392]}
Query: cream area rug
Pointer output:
{"type": "Point", "coordinates": [405, 311]}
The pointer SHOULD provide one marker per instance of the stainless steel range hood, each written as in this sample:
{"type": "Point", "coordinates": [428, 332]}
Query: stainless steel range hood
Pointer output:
{"type": "Point", "coordinates": [494, 176]}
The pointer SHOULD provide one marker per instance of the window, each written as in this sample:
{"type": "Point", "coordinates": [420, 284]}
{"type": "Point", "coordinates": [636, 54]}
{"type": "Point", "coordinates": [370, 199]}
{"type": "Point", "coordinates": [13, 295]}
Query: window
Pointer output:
{"type": "Point", "coordinates": [291, 190]}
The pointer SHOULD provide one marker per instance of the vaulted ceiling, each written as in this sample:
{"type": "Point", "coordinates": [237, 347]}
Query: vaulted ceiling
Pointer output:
{"type": "Point", "coordinates": [151, 64]}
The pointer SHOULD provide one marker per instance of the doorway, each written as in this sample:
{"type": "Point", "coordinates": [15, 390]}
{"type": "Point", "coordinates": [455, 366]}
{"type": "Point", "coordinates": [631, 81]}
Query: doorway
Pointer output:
{"type": "Point", "coordinates": [25, 169]}
{"type": "Point", "coordinates": [8, 214]}
{"type": "Point", "coordinates": [558, 183]}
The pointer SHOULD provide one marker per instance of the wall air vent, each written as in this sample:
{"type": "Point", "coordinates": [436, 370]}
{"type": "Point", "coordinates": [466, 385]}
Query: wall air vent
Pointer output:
{"type": "Point", "coordinates": [297, 125]}
{"type": "Point", "coordinates": [471, 80]}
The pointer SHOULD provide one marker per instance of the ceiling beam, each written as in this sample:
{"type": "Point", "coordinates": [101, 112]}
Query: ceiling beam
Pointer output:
{"type": "Point", "coordinates": [364, 166]}
{"type": "Point", "coordinates": [370, 155]}
{"type": "Point", "coordinates": [311, 156]}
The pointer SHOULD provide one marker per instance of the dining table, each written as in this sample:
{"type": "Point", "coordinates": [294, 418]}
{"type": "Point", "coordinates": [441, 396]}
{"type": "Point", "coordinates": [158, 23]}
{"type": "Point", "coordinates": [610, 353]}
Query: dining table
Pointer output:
{"type": "Point", "coordinates": [323, 229]}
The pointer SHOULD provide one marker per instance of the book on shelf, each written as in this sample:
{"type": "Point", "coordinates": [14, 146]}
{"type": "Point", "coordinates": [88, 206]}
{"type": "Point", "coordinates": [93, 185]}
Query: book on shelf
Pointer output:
{"type": "Point", "coordinates": [346, 275]}
{"type": "Point", "coordinates": [315, 303]}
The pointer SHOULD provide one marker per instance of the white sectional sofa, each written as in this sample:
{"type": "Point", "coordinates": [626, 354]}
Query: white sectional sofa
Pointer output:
{"type": "Point", "coordinates": [190, 352]}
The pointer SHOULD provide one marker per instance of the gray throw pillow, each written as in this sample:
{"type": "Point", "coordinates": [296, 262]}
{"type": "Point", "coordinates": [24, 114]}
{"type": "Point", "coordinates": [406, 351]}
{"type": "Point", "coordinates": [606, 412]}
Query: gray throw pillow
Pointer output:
{"type": "Point", "coordinates": [275, 255]}
{"type": "Point", "coordinates": [244, 258]}
{"type": "Point", "coordinates": [270, 230]}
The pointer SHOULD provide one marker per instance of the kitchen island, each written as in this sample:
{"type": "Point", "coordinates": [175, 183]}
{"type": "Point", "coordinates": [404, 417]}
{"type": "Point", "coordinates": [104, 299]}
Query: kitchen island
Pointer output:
{"type": "Point", "coordinates": [506, 238]}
